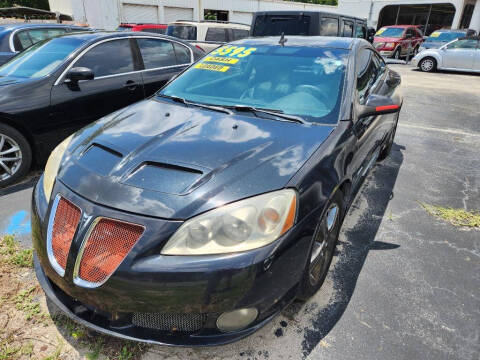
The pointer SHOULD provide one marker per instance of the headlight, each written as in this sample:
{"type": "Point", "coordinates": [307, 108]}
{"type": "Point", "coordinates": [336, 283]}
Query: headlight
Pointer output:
{"type": "Point", "coordinates": [378, 45]}
{"type": "Point", "coordinates": [53, 163]}
{"type": "Point", "coordinates": [390, 45]}
{"type": "Point", "coordinates": [243, 225]}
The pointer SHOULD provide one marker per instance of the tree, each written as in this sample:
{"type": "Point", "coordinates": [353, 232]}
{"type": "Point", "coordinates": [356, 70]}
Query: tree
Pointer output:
{"type": "Point", "coordinates": [37, 4]}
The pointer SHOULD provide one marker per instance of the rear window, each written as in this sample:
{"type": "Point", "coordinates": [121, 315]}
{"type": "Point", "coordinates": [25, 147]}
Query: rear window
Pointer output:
{"type": "Point", "coordinates": [272, 25]}
{"type": "Point", "coordinates": [329, 27]}
{"type": "Point", "coordinates": [185, 32]}
{"type": "Point", "coordinates": [154, 30]}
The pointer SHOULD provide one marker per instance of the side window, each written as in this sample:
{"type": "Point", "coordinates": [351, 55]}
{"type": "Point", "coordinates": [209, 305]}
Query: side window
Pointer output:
{"type": "Point", "coordinates": [108, 58]}
{"type": "Point", "coordinates": [182, 53]}
{"type": "Point", "coordinates": [216, 34]}
{"type": "Point", "coordinates": [154, 30]}
{"type": "Point", "coordinates": [464, 44]}
{"type": "Point", "coordinates": [360, 31]}
{"type": "Point", "coordinates": [347, 29]}
{"type": "Point", "coordinates": [22, 40]}
{"type": "Point", "coordinates": [329, 26]}
{"type": "Point", "coordinates": [240, 34]}
{"type": "Point", "coordinates": [156, 53]}
{"type": "Point", "coordinates": [368, 71]}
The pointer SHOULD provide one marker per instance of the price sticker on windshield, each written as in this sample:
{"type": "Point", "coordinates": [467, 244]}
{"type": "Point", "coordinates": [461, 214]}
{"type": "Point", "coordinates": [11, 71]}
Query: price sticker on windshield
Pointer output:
{"type": "Point", "coordinates": [234, 51]}
{"type": "Point", "coordinates": [435, 34]}
{"type": "Point", "coordinates": [380, 31]}
{"type": "Point", "coordinates": [212, 67]}
{"type": "Point", "coordinates": [219, 59]}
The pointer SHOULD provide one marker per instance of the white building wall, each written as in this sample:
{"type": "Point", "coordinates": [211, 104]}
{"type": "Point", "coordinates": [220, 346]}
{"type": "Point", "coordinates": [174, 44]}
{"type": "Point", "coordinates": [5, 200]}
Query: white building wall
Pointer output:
{"type": "Point", "coordinates": [108, 14]}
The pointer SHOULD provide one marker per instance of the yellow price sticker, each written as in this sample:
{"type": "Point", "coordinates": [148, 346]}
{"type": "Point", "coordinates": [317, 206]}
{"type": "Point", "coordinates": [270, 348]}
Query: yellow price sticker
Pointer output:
{"type": "Point", "coordinates": [212, 67]}
{"type": "Point", "coordinates": [234, 51]}
{"type": "Point", "coordinates": [222, 60]}
{"type": "Point", "coordinates": [435, 34]}
{"type": "Point", "coordinates": [380, 31]}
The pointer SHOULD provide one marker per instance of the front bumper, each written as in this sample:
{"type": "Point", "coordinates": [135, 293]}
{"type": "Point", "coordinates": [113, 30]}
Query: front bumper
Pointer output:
{"type": "Point", "coordinates": [149, 283]}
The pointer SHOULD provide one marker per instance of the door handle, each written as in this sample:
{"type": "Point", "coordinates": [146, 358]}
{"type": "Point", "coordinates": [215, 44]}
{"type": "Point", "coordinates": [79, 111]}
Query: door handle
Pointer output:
{"type": "Point", "coordinates": [130, 85]}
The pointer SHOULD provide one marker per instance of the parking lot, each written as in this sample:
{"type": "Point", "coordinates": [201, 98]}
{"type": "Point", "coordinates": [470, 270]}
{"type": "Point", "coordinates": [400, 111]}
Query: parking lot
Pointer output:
{"type": "Point", "coordinates": [404, 284]}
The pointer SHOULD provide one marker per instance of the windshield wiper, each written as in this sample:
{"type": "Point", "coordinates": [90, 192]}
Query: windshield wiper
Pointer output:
{"type": "Point", "coordinates": [272, 112]}
{"type": "Point", "coordinates": [205, 106]}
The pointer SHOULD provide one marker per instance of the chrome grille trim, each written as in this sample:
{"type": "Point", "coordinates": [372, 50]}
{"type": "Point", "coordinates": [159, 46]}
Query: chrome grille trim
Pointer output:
{"type": "Point", "coordinates": [169, 322]}
{"type": "Point", "coordinates": [51, 221]}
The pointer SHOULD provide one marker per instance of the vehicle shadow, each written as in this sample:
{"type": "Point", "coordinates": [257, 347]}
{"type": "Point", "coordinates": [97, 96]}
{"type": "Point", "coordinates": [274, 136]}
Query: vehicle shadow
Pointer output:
{"type": "Point", "coordinates": [26, 183]}
{"type": "Point", "coordinates": [356, 239]}
{"type": "Point", "coordinates": [450, 72]}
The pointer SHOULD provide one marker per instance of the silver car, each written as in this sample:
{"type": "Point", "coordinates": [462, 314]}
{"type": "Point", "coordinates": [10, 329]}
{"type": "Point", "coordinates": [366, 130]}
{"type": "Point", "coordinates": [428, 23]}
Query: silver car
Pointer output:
{"type": "Point", "coordinates": [462, 54]}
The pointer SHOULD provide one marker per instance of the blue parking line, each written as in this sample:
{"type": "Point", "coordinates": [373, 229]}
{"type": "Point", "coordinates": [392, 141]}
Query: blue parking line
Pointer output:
{"type": "Point", "coordinates": [19, 224]}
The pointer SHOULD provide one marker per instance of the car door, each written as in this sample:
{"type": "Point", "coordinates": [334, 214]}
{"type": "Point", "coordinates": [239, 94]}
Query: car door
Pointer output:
{"type": "Point", "coordinates": [162, 59]}
{"type": "Point", "coordinates": [459, 54]}
{"type": "Point", "coordinates": [117, 84]}
{"type": "Point", "coordinates": [372, 130]}
{"type": "Point", "coordinates": [476, 63]}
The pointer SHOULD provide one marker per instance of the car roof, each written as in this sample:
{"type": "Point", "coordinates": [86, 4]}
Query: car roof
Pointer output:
{"type": "Point", "coordinates": [297, 12]}
{"type": "Point", "coordinates": [211, 23]}
{"type": "Point", "coordinates": [306, 41]}
{"type": "Point", "coordinates": [89, 37]}
{"type": "Point", "coordinates": [34, 25]}
{"type": "Point", "coordinates": [400, 26]}
{"type": "Point", "coordinates": [452, 30]}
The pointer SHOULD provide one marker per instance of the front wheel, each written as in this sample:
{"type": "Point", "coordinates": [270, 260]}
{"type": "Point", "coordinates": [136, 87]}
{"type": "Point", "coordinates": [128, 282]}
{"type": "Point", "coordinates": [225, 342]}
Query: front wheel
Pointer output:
{"type": "Point", "coordinates": [396, 54]}
{"type": "Point", "coordinates": [321, 252]}
{"type": "Point", "coordinates": [15, 155]}
{"type": "Point", "coordinates": [427, 64]}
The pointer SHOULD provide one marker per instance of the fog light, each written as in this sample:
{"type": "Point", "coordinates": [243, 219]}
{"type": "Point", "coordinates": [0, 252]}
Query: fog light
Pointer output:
{"type": "Point", "coordinates": [237, 319]}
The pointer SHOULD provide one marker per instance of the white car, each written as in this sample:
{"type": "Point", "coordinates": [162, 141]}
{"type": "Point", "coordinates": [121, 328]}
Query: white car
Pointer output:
{"type": "Point", "coordinates": [207, 35]}
{"type": "Point", "coordinates": [462, 54]}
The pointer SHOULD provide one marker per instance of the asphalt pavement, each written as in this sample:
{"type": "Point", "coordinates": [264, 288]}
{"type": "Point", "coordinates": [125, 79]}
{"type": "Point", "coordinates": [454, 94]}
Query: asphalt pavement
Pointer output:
{"type": "Point", "coordinates": [403, 284]}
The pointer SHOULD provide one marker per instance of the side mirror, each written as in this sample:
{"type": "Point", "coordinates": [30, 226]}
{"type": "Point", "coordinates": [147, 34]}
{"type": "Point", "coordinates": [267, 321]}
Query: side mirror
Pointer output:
{"type": "Point", "coordinates": [377, 105]}
{"type": "Point", "coordinates": [79, 73]}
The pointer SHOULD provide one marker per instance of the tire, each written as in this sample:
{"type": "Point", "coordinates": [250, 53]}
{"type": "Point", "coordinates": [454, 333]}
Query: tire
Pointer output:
{"type": "Point", "coordinates": [323, 246]}
{"type": "Point", "coordinates": [428, 64]}
{"type": "Point", "coordinates": [388, 145]}
{"type": "Point", "coordinates": [15, 155]}
{"type": "Point", "coordinates": [396, 53]}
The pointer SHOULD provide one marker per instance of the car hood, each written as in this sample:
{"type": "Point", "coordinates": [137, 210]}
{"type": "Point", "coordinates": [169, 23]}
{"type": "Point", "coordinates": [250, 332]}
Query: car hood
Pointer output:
{"type": "Point", "coordinates": [10, 80]}
{"type": "Point", "coordinates": [385, 39]}
{"type": "Point", "coordinates": [170, 161]}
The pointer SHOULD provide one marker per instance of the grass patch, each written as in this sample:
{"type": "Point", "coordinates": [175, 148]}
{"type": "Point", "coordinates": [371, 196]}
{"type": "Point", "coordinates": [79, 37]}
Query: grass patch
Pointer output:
{"type": "Point", "coordinates": [13, 253]}
{"type": "Point", "coordinates": [456, 217]}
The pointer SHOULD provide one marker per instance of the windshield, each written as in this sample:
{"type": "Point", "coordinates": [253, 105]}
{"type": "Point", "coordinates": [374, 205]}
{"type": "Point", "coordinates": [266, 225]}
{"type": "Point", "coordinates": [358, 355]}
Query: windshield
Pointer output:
{"type": "Point", "coordinates": [390, 32]}
{"type": "Point", "coordinates": [40, 59]}
{"type": "Point", "coordinates": [301, 81]}
{"type": "Point", "coordinates": [438, 36]}
{"type": "Point", "coordinates": [184, 32]}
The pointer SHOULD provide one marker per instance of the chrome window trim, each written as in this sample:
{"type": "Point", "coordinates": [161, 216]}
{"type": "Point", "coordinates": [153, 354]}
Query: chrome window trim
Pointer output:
{"type": "Point", "coordinates": [76, 269]}
{"type": "Point", "coordinates": [72, 63]}
{"type": "Point", "coordinates": [51, 257]}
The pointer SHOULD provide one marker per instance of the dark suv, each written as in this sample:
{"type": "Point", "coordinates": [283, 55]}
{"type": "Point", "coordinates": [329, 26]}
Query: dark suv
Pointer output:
{"type": "Point", "coordinates": [15, 38]}
{"type": "Point", "coordinates": [311, 23]}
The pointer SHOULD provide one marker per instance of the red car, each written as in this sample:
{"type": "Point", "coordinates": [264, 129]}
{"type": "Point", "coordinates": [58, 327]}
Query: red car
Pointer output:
{"type": "Point", "coordinates": [397, 41]}
{"type": "Point", "coordinates": [153, 28]}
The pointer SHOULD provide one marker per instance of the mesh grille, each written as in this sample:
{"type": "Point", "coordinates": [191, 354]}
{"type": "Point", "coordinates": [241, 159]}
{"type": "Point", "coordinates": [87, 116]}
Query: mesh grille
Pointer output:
{"type": "Point", "coordinates": [65, 224]}
{"type": "Point", "coordinates": [169, 322]}
{"type": "Point", "coordinates": [106, 247]}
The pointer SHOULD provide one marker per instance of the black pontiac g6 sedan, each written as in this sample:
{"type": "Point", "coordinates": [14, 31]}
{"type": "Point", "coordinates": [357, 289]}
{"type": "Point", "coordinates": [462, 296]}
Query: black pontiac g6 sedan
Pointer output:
{"type": "Point", "coordinates": [195, 216]}
{"type": "Point", "coordinates": [57, 86]}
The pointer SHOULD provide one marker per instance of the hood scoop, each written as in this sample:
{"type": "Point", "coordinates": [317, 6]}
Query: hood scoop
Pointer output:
{"type": "Point", "coordinates": [165, 178]}
{"type": "Point", "coordinates": [100, 159]}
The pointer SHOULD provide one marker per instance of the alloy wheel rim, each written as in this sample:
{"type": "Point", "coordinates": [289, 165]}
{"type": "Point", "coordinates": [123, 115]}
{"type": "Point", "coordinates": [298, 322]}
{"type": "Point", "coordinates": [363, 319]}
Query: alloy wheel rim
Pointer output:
{"type": "Point", "coordinates": [427, 64]}
{"type": "Point", "coordinates": [322, 245]}
{"type": "Point", "coordinates": [10, 157]}
{"type": "Point", "coordinates": [397, 54]}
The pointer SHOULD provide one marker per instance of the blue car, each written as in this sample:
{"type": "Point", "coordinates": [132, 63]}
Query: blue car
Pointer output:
{"type": "Point", "coordinates": [15, 38]}
{"type": "Point", "coordinates": [195, 216]}
{"type": "Point", "coordinates": [441, 37]}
